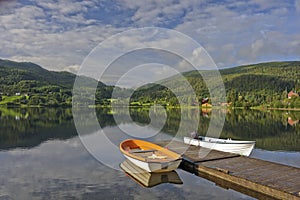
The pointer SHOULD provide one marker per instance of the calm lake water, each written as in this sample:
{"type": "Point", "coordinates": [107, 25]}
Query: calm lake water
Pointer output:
{"type": "Point", "coordinates": [42, 156]}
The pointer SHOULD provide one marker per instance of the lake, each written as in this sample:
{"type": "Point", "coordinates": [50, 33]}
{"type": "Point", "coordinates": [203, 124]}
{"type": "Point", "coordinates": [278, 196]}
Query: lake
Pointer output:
{"type": "Point", "coordinates": [42, 156]}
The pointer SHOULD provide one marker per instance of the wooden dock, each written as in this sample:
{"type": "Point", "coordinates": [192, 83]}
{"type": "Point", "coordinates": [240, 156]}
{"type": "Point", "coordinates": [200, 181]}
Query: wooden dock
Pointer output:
{"type": "Point", "coordinates": [254, 177]}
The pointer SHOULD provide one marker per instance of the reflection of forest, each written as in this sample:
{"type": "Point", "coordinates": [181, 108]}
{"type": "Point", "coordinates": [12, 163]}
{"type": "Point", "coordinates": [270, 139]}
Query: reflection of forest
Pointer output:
{"type": "Point", "coordinates": [28, 127]}
{"type": "Point", "coordinates": [270, 129]}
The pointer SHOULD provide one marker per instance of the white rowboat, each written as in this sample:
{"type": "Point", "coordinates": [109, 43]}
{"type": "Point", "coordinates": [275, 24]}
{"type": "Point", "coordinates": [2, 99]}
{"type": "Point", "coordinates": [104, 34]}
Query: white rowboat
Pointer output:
{"type": "Point", "coordinates": [226, 145]}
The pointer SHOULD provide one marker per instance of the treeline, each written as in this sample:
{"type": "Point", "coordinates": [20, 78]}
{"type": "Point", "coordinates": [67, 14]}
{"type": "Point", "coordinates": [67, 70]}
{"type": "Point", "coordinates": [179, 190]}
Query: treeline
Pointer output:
{"type": "Point", "coordinates": [264, 84]}
{"type": "Point", "coordinates": [27, 84]}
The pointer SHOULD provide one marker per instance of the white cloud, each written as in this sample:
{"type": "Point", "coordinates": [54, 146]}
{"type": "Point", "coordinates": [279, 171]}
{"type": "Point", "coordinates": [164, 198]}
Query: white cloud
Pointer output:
{"type": "Point", "coordinates": [57, 34]}
{"type": "Point", "coordinates": [144, 74]}
{"type": "Point", "coordinates": [297, 5]}
{"type": "Point", "coordinates": [54, 50]}
{"type": "Point", "coordinates": [257, 46]}
{"type": "Point", "coordinates": [50, 38]}
{"type": "Point", "coordinates": [157, 12]}
{"type": "Point", "coordinates": [240, 24]}
{"type": "Point", "coordinates": [72, 68]}
{"type": "Point", "coordinates": [66, 7]}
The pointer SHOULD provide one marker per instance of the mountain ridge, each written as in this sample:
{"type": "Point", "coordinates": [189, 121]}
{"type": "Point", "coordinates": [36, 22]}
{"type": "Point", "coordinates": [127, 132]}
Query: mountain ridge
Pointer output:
{"type": "Point", "coordinates": [36, 86]}
{"type": "Point", "coordinates": [248, 85]}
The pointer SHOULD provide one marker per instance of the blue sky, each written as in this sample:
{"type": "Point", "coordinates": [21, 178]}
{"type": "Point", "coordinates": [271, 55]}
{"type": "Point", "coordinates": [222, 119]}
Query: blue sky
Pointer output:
{"type": "Point", "coordinates": [59, 34]}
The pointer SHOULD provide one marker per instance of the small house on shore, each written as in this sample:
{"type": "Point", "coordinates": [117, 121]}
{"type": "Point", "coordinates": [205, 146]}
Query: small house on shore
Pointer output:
{"type": "Point", "coordinates": [291, 94]}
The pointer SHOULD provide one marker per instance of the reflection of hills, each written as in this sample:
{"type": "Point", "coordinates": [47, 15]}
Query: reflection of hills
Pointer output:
{"type": "Point", "coordinates": [27, 128]}
{"type": "Point", "coordinates": [292, 122]}
{"type": "Point", "coordinates": [269, 129]}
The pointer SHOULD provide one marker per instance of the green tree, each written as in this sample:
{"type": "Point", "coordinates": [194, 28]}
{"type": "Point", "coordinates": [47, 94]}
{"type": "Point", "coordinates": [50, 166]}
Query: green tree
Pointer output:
{"type": "Point", "coordinates": [297, 103]}
{"type": "Point", "coordinates": [284, 94]}
{"type": "Point", "coordinates": [278, 104]}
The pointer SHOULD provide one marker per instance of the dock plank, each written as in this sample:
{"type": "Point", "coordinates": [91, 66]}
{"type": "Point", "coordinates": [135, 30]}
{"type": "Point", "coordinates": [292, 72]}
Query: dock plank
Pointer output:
{"type": "Point", "coordinates": [266, 173]}
{"type": "Point", "coordinates": [258, 178]}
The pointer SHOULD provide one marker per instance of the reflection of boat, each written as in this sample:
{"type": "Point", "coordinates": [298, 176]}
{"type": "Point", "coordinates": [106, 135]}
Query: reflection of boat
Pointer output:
{"type": "Point", "coordinates": [148, 179]}
{"type": "Point", "coordinates": [205, 112]}
{"type": "Point", "coordinates": [233, 146]}
{"type": "Point", "coordinates": [149, 156]}
{"type": "Point", "coordinates": [292, 122]}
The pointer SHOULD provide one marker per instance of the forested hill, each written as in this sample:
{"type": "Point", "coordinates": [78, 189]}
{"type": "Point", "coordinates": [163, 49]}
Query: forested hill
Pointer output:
{"type": "Point", "coordinates": [30, 84]}
{"type": "Point", "coordinates": [262, 83]}
{"type": "Point", "coordinates": [250, 85]}
{"type": "Point", "coordinates": [14, 72]}
{"type": "Point", "coordinates": [25, 83]}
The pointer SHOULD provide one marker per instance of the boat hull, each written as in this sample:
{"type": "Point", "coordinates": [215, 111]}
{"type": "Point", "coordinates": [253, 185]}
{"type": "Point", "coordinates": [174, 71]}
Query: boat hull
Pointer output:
{"type": "Point", "coordinates": [155, 166]}
{"type": "Point", "coordinates": [232, 146]}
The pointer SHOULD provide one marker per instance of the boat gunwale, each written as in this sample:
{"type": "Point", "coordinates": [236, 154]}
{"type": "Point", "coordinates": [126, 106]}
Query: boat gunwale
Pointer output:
{"type": "Point", "coordinates": [153, 161]}
{"type": "Point", "coordinates": [172, 156]}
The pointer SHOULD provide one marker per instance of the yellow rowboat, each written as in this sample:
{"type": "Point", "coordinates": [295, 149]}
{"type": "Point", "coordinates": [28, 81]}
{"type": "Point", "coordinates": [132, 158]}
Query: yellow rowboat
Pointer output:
{"type": "Point", "coordinates": [147, 179]}
{"type": "Point", "coordinates": [149, 156]}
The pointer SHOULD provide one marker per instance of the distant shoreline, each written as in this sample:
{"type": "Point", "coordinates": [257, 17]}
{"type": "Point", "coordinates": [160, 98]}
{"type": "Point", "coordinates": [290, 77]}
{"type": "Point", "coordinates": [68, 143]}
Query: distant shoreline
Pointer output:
{"type": "Point", "coordinates": [141, 106]}
{"type": "Point", "coordinates": [293, 109]}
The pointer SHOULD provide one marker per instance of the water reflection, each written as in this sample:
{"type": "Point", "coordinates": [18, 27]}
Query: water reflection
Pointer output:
{"type": "Point", "coordinates": [292, 122]}
{"type": "Point", "coordinates": [147, 179]}
{"type": "Point", "coordinates": [42, 157]}
{"type": "Point", "coordinates": [269, 129]}
{"type": "Point", "coordinates": [62, 169]}
{"type": "Point", "coordinates": [29, 127]}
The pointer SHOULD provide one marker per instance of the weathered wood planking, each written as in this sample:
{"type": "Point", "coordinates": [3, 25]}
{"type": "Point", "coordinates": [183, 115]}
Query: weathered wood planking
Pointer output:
{"type": "Point", "coordinates": [254, 177]}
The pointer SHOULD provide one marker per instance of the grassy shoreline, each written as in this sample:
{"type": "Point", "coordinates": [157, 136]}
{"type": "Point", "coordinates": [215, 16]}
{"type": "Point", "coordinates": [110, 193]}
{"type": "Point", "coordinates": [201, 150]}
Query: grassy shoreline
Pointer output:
{"type": "Point", "coordinates": [148, 107]}
{"type": "Point", "coordinates": [17, 102]}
